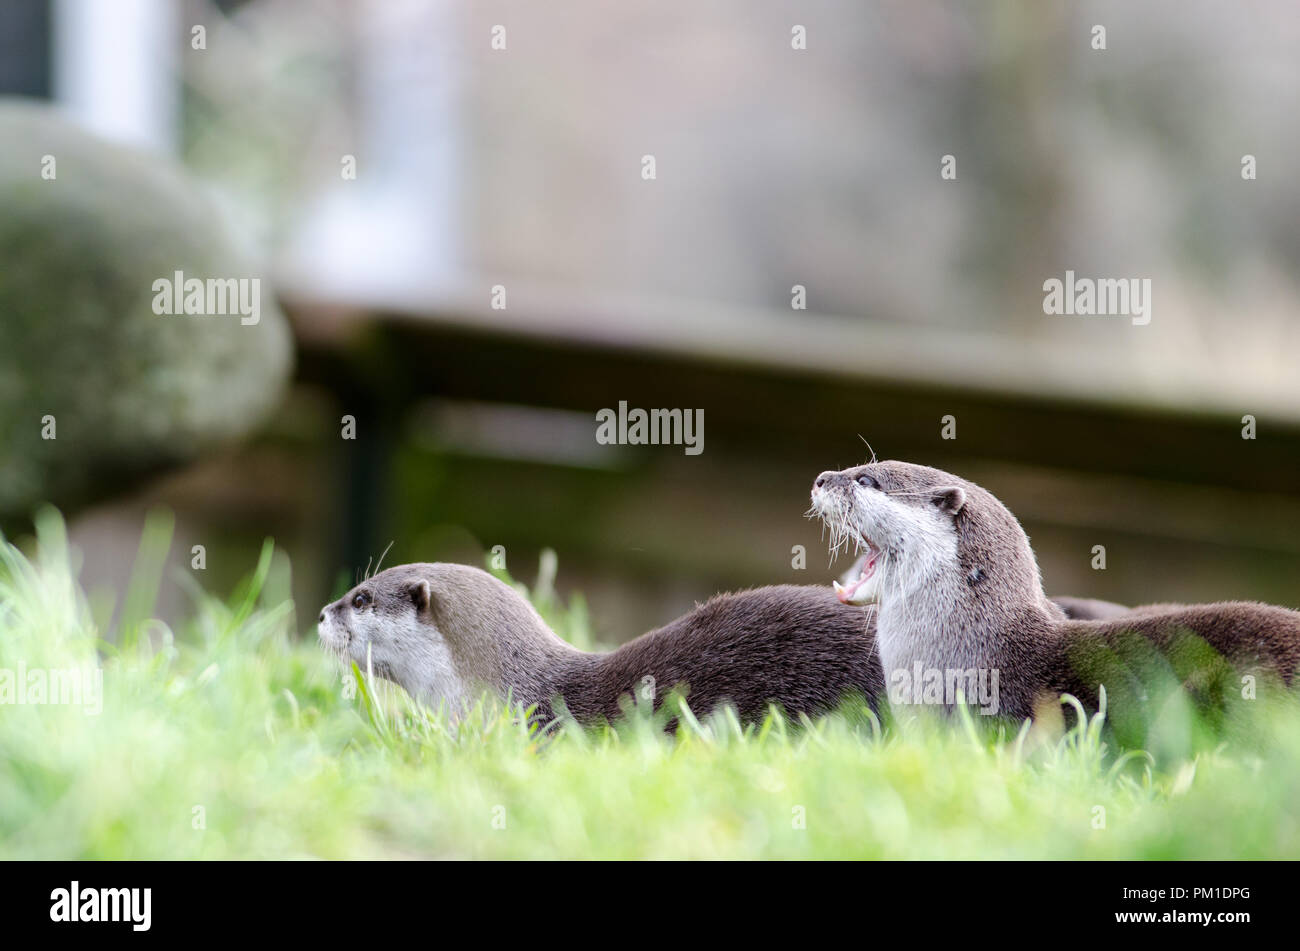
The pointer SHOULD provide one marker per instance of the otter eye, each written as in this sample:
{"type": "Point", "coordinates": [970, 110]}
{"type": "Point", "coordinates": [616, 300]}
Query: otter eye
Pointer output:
{"type": "Point", "coordinates": [361, 600]}
{"type": "Point", "coordinates": [867, 482]}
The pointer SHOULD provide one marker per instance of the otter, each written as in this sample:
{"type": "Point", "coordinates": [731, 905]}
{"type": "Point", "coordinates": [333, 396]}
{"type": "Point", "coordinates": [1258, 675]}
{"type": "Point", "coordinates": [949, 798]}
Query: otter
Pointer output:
{"type": "Point", "coordinates": [958, 589]}
{"type": "Point", "coordinates": [445, 632]}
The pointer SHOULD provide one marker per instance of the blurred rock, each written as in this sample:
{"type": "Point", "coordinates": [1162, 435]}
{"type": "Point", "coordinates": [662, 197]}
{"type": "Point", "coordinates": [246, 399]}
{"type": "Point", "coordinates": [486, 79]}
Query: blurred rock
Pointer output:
{"type": "Point", "coordinates": [130, 392]}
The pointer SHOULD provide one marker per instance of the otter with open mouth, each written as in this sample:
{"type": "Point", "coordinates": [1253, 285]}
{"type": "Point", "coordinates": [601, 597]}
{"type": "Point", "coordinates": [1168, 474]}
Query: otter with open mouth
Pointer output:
{"type": "Point", "coordinates": [958, 588]}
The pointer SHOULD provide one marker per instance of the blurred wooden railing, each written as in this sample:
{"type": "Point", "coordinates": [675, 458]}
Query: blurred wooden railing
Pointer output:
{"type": "Point", "coordinates": [1157, 471]}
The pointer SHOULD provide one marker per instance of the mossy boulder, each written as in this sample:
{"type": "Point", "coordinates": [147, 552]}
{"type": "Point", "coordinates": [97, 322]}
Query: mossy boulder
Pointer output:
{"type": "Point", "coordinates": [86, 229]}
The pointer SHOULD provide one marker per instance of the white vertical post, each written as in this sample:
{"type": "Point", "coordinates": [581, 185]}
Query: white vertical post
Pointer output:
{"type": "Point", "coordinates": [115, 68]}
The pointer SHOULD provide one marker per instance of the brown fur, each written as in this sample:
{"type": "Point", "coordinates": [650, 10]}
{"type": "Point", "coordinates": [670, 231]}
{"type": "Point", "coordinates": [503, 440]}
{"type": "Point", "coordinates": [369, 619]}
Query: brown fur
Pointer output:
{"type": "Point", "coordinates": [793, 646]}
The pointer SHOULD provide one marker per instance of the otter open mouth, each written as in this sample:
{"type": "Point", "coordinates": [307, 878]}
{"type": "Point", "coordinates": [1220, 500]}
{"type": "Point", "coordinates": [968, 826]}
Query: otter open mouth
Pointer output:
{"type": "Point", "coordinates": [846, 593]}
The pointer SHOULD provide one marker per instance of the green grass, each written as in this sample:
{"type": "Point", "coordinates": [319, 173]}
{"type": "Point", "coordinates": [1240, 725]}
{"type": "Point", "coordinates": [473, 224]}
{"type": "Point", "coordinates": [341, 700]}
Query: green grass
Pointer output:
{"type": "Point", "coordinates": [234, 736]}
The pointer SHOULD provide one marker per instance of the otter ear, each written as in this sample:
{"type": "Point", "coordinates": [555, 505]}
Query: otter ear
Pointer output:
{"type": "Point", "coordinates": [949, 498]}
{"type": "Point", "coordinates": [420, 594]}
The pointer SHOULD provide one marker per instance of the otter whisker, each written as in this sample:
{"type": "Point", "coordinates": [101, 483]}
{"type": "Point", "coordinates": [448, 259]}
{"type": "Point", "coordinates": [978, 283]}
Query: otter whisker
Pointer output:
{"type": "Point", "coordinates": [380, 562]}
{"type": "Point", "coordinates": [868, 617]}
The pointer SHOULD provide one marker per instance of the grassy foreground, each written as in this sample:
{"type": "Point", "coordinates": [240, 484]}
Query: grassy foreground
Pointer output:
{"type": "Point", "coordinates": [235, 737]}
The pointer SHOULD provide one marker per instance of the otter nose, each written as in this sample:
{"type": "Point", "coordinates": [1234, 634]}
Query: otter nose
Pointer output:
{"type": "Point", "coordinates": [321, 619]}
{"type": "Point", "coordinates": [824, 478]}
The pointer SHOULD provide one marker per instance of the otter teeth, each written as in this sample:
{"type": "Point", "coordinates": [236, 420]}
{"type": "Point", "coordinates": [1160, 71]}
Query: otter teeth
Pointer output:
{"type": "Point", "coordinates": [846, 593]}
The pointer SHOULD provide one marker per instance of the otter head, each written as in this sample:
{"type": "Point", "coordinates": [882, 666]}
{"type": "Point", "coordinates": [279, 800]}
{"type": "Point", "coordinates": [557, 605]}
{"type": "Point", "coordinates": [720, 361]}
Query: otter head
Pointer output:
{"type": "Point", "coordinates": [434, 629]}
{"type": "Point", "coordinates": [921, 528]}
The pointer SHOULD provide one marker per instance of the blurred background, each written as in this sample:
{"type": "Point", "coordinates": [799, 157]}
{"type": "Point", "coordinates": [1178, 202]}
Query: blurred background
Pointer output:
{"type": "Point", "coordinates": [449, 202]}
